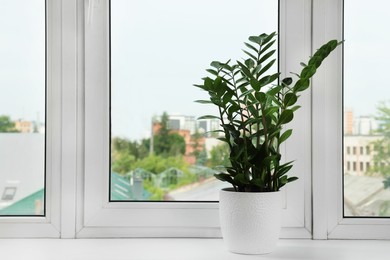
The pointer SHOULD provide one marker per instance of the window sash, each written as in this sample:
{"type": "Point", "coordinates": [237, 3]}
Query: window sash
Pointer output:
{"type": "Point", "coordinates": [329, 222]}
{"type": "Point", "coordinates": [104, 219]}
{"type": "Point", "coordinates": [48, 225]}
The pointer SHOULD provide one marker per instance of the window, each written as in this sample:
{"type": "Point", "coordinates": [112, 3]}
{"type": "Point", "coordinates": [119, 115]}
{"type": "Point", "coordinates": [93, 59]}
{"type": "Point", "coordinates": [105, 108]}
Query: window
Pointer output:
{"type": "Point", "coordinates": [158, 147]}
{"type": "Point", "coordinates": [334, 221]}
{"type": "Point", "coordinates": [368, 150]}
{"type": "Point", "coordinates": [368, 130]}
{"type": "Point", "coordinates": [31, 105]}
{"type": "Point", "coordinates": [77, 138]}
{"type": "Point", "coordinates": [22, 108]}
{"type": "Point", "coordinates": [186, 218]}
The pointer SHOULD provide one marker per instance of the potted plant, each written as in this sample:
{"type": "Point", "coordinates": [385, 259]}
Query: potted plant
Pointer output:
{"type": "Point", "coordinates": [253, 109]}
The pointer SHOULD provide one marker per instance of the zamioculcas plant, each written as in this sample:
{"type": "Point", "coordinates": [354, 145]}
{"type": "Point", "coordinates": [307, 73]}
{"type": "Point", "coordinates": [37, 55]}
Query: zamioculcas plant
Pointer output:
{"type": "Point", "coordinates": [253, 109]}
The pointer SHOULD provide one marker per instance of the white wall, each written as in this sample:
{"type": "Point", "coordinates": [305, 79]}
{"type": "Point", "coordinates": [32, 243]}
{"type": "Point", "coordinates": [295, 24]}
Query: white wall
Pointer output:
{"type": "Point", "coordinates": [21, 164]}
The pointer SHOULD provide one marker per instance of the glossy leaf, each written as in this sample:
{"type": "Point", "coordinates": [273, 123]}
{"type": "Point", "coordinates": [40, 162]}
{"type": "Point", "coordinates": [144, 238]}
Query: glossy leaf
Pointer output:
{"type": "Point", "coordinates": [285, 136]}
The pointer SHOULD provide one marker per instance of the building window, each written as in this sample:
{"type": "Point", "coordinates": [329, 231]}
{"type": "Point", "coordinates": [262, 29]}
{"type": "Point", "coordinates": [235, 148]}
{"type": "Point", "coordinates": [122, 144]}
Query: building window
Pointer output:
{"type": "Point", "coordinates": [348, 150]}
{"type": "Point", "coordinates": [368, 150]}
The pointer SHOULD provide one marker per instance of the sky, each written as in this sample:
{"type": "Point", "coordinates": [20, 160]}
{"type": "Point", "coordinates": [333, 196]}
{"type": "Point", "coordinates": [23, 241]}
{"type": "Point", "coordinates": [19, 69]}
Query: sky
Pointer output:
{"type": "Point", "coordinates": [161, 48]}
{"type": "Point", "coordinates": [22, 59]}
{"type": "Point", "coordinates": [159, 52]}
{"type": "Point", "coordinates": [366, 54]}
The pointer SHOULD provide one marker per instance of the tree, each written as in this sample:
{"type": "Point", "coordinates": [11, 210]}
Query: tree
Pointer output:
{"type": "Point", "coordinates": [219, 155]}
{"type": "Point", "coordinates": [381, 147]}
{"type": "Point", "coordinates": [125, 153]}
{"type": "Point", "coordinates": [6, 125]}
{"type": "Point", "coordinates": [166, 142]}
{"type": "Point", "coordinates": [157, 163]}
{"type": "Point", "coordinates": [199, 150]}
{"type": "Point", "coordinates": [124, 145]}
{"type": "Point", "coordinates": [123, 163]}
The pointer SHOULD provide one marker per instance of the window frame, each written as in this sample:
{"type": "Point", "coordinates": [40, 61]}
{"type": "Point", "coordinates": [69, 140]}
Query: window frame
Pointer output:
{"type": "Point", "coordinates": [329, 222]}
{"type": "Point", "coordinates": [48, 225]}
{"type": "Point", "coordinates": [101, 218]}
{"type": "Point", "coordinates": [74, 208]}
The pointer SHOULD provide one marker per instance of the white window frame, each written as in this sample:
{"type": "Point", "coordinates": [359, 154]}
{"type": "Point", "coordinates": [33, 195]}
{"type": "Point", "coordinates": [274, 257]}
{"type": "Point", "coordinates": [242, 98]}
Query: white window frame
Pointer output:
{"type": "Point", "coordinates": [329, 222]}
{"type": "Point", "coordinates": [77, 138]}
{"type": "Point", "coordinates": [101, 218]}
{"type": "Point", "coordinates": [49, 225]}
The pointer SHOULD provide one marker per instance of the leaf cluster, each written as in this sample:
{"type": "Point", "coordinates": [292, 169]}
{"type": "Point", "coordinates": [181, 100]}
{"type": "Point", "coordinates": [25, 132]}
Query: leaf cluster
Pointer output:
{"type": "Point", "coordinates": [253, 108]}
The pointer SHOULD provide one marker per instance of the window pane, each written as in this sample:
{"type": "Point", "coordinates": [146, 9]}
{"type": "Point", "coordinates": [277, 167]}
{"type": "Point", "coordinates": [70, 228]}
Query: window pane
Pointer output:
{"type": "Point", "coordinates": [366, 109]}
{"type": "Point", "coordinates": [159, 49]}
{"type": "Point", "coordinates": [22, 107]}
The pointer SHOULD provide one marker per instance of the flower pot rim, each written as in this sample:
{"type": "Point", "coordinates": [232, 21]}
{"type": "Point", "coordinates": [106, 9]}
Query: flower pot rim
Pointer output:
{"type": "Point", "coordinates": [230, 189]}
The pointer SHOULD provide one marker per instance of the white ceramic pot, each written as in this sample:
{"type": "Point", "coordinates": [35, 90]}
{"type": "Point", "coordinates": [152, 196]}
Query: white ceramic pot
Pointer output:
{"type": "Point", "coordinates": [250, 221]}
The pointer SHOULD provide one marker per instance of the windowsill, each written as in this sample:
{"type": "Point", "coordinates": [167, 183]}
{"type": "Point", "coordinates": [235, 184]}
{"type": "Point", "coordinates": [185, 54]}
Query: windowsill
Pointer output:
{"type": "Point", "coordinates": [171, 249]}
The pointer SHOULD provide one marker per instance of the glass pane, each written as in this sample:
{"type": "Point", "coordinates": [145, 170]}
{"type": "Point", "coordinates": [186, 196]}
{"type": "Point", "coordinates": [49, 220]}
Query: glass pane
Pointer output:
{"type": "Point", "coordinates": [22, 107]}
{"type": "Point", "coordinates": [159, 49]}
{"type": "Point", "coordinates": [366, 109]}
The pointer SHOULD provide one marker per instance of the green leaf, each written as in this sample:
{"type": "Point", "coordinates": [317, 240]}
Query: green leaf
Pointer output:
{"type": "Point", "coordinates": [208, 117]}
{"type": "Point", "coordinates": [292, 179]}
{"type": "Point", "coordinates": [266, 67]}
{"type": "Point", "coordinates": [227, 97]}
{"type": "Point", "coordinates": [308, 72]}
{"type": "Point", "coordinates": [201, 86]}
{"type": "Point", "coordinates": [208, 83]}
{"type": "Point", "coordinates": [203, 101]}
{"type": "Point", "coordinates": [214, 72]}
{"type": "Point", "coordinates": [250, 46]}
{"type": "Point", "coordinates": [271, 110]}
{"type": "Point", "coordinates": [216, 64]}
{"type": "Point", "coordinates": [225, 177]}
{"type": "Point", "coordinates": [283, 169]}
{"type": "Point", "coordinates": [249, 63]}
{"type": "Point", "coordinates": [285, 136]}
{"type": "Point", "coordinates": [256, 39]}
{"type": "Point", "coordinates": [267, 46]}
{"type": "Point", "coordinates": [256, 85]}
{"type": "Point", "coordinates": [257, 69]}
{"type": "Point", "coordinates": [301, 85]}
{"type": "Point", "coordinates": [261, 97]}
{"type": "Point", "coordinates": [266, 56]}
{"type": "Point", "coordinates": [250, 55]}
{"type": "Point", "coordinates": [285, 117]}
{"type": "Point", "coordinates": [290, 99]}
{"type": "Point", "coordinates": [275, 90]}
{"type": "Point", "coordinates": [241, 179]}
{"type": "Point", "coordinates": [245, 70]}
{"type": "Point", "coordinates": [287, 81]}
{"type": "Point", "coordinates": [295, 108]}
{"type": "Point", "coordinates": [267, 38]}
{"type": "Point", "coordinates": [258, 182]}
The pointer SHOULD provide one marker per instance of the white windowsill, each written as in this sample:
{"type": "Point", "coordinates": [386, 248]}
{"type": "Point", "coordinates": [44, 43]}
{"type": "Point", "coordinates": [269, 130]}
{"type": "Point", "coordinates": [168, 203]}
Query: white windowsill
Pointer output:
{"type": "Point", "coordinates": [204, 249]}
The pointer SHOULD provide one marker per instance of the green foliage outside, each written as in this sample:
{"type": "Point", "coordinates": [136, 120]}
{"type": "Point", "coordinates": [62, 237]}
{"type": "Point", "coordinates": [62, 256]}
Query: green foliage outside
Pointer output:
{"type": "Point", "coordinates": [219, 156]}
{"type": "Point", "coordinates": [200, 154]}
{"type": "Point", "coordinates": [165, 142]}
{"type": "Point", "coordinates": [7, 125]}
{"type": "Point", "coordinates": [168, 150]}
{"type": "Point", "coordinates": [381, 147]}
